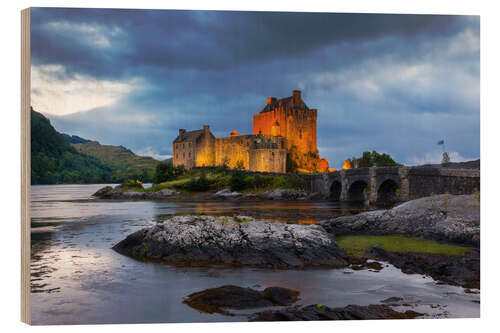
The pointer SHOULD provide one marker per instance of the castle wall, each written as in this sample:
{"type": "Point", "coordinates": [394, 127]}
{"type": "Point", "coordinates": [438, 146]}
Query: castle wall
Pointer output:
{"type": "Point", "coordinates": [269, 160]}
{"type": "Point", "coordinates": [232, 149]}
{"type": "Point", "coordinates": [205, 150]}
{"type": "Point", "coordinates": [184, 154]}
{"type": "Point", "coordinates": [297, 126]}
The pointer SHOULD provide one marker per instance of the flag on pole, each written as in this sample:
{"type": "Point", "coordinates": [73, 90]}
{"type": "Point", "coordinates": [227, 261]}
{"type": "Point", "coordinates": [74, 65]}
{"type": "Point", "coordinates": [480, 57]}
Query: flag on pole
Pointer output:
{"type": "Point", "coordinates": [441, 142]}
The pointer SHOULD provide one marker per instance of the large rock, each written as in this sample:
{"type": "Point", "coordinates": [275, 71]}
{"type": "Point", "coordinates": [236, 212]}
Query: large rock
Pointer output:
{"type": "Point", "coordinates": [455, 270]}
{"type": "Point", "coordinates": [285, 194]}
{"type": "Point", "coordinates": [217, 300]}
{"type": "Point", "coordinates": [208, 240]}
{"type": "Point", "coordinates": [321, 312]}
{"type": "Point", "coordinates": [118, 192]}
{"type": "Point", "coordinates": [446, 217]}
{"type": "Point", "coordinates": [225, 194]}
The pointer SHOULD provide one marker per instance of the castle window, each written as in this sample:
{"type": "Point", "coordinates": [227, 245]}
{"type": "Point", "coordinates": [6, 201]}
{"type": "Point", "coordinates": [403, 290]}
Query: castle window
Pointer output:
{"type": "Point", "coordinates": [183, 155]}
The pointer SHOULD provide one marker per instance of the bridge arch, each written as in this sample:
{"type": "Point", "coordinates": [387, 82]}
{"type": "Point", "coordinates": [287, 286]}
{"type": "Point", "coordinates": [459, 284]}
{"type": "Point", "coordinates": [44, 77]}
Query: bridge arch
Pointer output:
{"type": "Point", "coordinates": [335, 190]}
{"type": "Point", "coordinates": [356, 191]}
{"type": "Point", "coordinates": [387, 192]}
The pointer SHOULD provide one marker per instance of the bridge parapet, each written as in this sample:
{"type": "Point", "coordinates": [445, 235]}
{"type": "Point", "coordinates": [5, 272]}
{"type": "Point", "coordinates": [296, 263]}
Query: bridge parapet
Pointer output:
{"type": "Point", "coordinates": [380, 184]}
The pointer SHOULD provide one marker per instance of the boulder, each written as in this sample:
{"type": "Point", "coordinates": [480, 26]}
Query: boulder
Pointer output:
{"type": "Point", "coordinates": [217, 300]}
{"type": "Point", "coordinates": [322, 312]}
{"type": "Point", "coordinates": [225, 194]}
{"type": "Point", "coordinates": [103, 192]}
{"type": "Point", "coordinates": [285, 194]}
{"type": "Point", "coordinates": [446, 217]}
{"type": "Point", "coordinates": [208, 240]}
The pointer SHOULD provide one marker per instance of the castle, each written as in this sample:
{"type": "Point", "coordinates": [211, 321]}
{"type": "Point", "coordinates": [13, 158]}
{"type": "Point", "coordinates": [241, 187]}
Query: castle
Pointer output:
{"type": "Point", "coordinates": [285, 128]}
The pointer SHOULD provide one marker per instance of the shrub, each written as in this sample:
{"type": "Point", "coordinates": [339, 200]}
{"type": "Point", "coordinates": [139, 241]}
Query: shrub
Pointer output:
{"type": "Point", "coordinates": [237, 181]}
{"type": "Point", "coordinates": [136, 184]}
{"type": "Point", "coordinates": [199, 184]}
{"type": "Point", "coordinates": [239, 165]}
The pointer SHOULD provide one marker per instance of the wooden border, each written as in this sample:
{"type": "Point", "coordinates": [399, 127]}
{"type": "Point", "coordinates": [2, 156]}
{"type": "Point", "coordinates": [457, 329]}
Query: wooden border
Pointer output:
{"type": "Point", "coordinates": [25, 166]}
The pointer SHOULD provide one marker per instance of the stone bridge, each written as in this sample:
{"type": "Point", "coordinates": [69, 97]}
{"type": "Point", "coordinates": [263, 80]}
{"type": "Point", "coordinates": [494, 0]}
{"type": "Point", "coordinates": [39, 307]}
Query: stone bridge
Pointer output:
{"type": "Point", "coordinates": [392, 184]}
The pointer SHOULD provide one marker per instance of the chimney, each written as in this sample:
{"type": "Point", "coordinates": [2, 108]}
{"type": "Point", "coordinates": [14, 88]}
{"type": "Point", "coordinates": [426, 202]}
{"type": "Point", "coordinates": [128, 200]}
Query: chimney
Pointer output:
{"type": "Point", "coordinates": [206, 129]}
{"type": "Point", "coordinates": [296, 96]}
{"type": "Point", "coordinates": [271, 100]}
{"type": "Point", "coordinates": [181, 132]}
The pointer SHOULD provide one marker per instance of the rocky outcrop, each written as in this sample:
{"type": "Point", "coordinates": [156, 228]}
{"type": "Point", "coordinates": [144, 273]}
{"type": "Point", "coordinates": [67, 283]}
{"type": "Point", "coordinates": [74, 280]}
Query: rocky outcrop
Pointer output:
{"type": "Point", "coordinates": [226, 194]}
{"type": "Point", "coordinates": [285, 194]}
{"type": "Point", "coordinates": [321, 312]}
{"type": "Point", "coordinates": [278, 194]}
{"type": "Point", "coordinates": [446, 217]}
{"type": "Point", "coordinates": [118, 192]}
{"type": "Point", "coordinates": [455, 270]}
{"type": "Point", "coordinates": [217, 300]}
{"type": "Point", "coordinates": [240, 241]}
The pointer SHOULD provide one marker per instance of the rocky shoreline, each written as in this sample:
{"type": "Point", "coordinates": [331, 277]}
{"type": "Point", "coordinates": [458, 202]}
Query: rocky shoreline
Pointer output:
{"type": "Point", "coordinates": [244, 241]}
{"type": "Point", "coordinates": [461, 271]}
{"type": "Point", "coordinates": [120, 193]}
{"type": "Point", "coordinates": [445, 217]}
{"type": "Point", "coordinates": [323, 312]}
{"type": "Point", "coordinates": [226, 298]}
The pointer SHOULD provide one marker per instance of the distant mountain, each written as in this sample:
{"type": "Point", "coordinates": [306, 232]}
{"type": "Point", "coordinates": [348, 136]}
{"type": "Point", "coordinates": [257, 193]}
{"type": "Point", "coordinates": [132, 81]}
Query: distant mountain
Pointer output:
{"type": "Point", "coordinates": [58, 158]}
{"type": "Point", "coordinates": [55, 161]}
{"type": "Point", "coordinates": [168, 160]}
{"type": "Point", "coordinates": [125, 164]}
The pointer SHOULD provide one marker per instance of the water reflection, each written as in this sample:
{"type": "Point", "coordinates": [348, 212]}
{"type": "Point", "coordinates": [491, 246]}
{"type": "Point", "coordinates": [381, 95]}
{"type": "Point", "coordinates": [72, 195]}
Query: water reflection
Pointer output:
{"type": "Point", "coordinates": [77, 278]}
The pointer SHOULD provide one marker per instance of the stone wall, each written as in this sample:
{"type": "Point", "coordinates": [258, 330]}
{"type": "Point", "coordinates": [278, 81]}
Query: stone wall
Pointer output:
{"type": "Point", "coordinates": [205, 154]}
{"type": "Point", "coordinates": [404, 183]}
{"type": "Point", "coordinates": [298, 127]}
{"type": "Point", "coordinates": [272, 160]}
{"type": "Point", "coordinates": [184, 154]}
{"type": "Point", "coordinates": [430, 181]}
{"type": "Point", "coordinates": [230, 150]}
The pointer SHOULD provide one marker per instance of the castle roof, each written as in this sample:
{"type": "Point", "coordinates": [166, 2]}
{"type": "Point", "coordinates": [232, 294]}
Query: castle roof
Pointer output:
{"type": "Point", "coordinates": [189, 136]}
{"type": "Point", "coordinates": [286, 103]}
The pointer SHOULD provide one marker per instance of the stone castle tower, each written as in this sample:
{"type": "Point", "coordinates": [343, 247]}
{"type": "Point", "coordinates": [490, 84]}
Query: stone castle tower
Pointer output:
{"type": "Point", "coordinates": [283, 127]}
{"type": "Point", "coordinates": [290, 118]}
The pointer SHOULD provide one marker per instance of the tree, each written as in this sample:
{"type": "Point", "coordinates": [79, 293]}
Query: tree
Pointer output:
{"type": "Point", "coordinates": [164, 172]}
{"type": "Point", "coordinates": [370, 159]}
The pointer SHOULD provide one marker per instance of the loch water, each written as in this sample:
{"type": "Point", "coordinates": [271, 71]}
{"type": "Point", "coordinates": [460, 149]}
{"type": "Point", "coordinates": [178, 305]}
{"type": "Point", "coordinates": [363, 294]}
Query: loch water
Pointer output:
{"type": "Point", "coordinates": [76, 278]}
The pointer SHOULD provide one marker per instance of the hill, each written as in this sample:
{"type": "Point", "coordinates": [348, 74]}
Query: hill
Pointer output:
{"type": "Point", "coordinates": [74, 138]}
{"type": "Point", "coordinates": [125, 164]}
{"type": "Point", "coordinates": [55, 161]}
{"type": "Point", "coordinates": [474, 164]}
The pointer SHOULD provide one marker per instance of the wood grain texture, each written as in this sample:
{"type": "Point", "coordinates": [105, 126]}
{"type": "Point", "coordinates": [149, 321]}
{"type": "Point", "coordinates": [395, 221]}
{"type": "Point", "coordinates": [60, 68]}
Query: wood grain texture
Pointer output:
{"type": "Point", "coordinates": [25, 166]}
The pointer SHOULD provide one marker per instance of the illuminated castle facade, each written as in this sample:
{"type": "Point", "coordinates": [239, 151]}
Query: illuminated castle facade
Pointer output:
{"type": "Point", "coordinates": [283, 127]}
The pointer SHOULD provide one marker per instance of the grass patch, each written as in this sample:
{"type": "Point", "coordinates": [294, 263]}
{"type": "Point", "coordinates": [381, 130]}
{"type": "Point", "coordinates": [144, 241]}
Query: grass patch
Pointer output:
{"type": "Point", "coordinates": [242, 219]}
{"type": "Point", "coordinates": [356, 245]}
{"type": "Point", "coordinates": [220, 178]}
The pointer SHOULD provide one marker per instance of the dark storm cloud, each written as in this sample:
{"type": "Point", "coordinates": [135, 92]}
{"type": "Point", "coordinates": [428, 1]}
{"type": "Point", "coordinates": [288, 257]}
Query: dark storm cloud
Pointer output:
{"type": "Point", "coordinates": [394, 83]}
{"type": "Point", "coordinates": [212, 40]}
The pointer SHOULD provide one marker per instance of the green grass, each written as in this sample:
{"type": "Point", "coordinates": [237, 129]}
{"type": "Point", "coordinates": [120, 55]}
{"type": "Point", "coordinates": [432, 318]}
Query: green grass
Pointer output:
{"type": "Point", "coordinates": [220, 179]}
{"type": "Point", "coordinates": [356, 245]}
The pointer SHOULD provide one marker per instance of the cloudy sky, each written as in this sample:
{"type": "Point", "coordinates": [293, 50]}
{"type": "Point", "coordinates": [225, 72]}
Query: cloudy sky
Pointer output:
{"type": "Point", "coordinates": [392, 83]}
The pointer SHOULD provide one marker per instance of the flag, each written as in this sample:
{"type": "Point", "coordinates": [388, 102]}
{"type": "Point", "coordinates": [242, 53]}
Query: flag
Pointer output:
{"type": "Point", "coordinates": [441, 142]}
